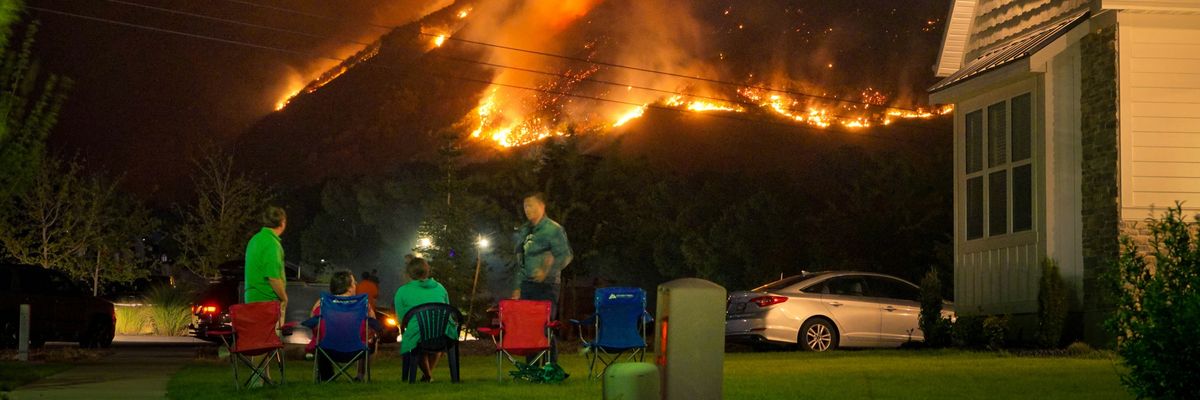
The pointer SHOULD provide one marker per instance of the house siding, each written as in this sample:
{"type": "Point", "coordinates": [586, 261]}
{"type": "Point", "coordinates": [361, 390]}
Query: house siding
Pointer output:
{"type": "Point", "coordinates": [997, 21]}
{"type": "Point", "coordinates": [1099, 175]}
{"type": "Point", "coordinates": [1160, 100]}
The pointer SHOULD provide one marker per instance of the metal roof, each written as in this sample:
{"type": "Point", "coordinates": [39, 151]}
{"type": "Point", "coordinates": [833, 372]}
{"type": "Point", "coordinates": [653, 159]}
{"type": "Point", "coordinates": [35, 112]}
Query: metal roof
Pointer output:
{"type": "Point", "coordinates": [1014, 50]}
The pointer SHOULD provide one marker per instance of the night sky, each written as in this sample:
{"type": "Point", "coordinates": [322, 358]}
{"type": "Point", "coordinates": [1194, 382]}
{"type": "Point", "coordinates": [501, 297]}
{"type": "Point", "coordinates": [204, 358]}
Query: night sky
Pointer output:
{"type": "Point", "coordinates": [145, 102]}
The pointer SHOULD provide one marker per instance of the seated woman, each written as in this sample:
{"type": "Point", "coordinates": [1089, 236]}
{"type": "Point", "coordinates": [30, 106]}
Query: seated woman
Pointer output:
{"type": "Point", "coordinates": [420, 290]}
{"type": "Point", "coordinates": [340, 284]}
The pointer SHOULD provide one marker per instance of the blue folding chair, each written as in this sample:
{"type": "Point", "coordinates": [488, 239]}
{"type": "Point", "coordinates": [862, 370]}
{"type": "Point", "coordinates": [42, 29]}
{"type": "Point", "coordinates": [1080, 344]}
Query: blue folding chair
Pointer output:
{"type": "Point", "coordinates": [619, 328]}
{"type": "Point", "coordinates": [344, 340]}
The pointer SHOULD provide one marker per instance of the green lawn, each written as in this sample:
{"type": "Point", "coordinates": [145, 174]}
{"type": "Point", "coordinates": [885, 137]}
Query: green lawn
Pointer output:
{"type": "Point", "coordinates": [780, 375]}
{"type": "Point", "coordinates": [14, 374]}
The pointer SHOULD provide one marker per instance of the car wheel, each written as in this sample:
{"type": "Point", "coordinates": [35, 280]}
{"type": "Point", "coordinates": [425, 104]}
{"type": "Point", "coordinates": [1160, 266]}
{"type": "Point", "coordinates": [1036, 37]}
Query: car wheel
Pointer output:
{"type": "Point", "coordinates": [817, 334]}
{"type": "Point", "coordinates": [94, 336]}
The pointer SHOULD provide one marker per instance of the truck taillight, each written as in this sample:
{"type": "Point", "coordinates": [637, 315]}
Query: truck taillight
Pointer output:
{"type": "Point", "coordinates": [763, 301]}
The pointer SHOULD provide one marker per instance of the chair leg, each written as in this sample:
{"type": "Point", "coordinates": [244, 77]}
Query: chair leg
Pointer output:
{"type": "Point", "coordinates": [452, 361]}
{"type": "Point", "coordinates": [499, 368]}
{"type": "Point", "coordinates": [237, 382]}
{"type": "Point", "coordinates": [282, 377]}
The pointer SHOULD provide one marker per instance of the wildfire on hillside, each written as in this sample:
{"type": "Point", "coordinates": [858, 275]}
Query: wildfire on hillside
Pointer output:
{"type": "Point", "coordinates": [534, 96]}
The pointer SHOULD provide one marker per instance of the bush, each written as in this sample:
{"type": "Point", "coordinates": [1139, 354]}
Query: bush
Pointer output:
{"type": "Point", "coordinates": [170, 310]}
{"type": "Point", "coordinates": [995, 331]}
{"type": "Point", "coordinates": [968, 332]}
{"type": "Point", "coordinates": [1079, 349]}
{"type": "Point", "coordinates": [131, 320]}
{"type": "Point", "coordinates": [1052, 306]}
{"type": "Point", "coordinates": [935, 328]}
{"type": "Point", "coordinates": [1157, 317]}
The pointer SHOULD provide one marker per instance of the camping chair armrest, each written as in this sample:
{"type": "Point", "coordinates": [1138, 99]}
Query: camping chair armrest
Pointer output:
{"type": "Point", "coordinates": [489, 331]}
{"type": "Point", "coordinates": [587, 320]}
{"type": "Point", "coordinates": [554, 324]}
{"type": "Point", "coordinates": [647, 318]}
{"type": "Point", "coordinates": [311, 323]}
{"type": "Point", "coordinates": [287, 328]}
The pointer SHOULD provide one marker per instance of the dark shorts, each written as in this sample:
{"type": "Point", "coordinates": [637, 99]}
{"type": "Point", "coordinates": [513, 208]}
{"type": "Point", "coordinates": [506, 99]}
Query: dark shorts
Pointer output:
{"type": "Point", "coordinates": [541, 291]}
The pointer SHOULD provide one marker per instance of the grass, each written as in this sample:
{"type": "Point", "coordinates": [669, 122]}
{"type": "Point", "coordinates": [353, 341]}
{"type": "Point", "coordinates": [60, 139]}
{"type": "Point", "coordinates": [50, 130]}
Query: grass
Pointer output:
{"type": "Point", "coordinates": [838, 375]}
{"type": "Point", "coordinates": [15, 374]}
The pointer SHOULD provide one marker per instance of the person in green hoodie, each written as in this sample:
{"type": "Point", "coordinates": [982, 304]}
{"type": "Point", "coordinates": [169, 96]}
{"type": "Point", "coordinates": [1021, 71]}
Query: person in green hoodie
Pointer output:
{"type": "Point", "coordinates": [421, 289]}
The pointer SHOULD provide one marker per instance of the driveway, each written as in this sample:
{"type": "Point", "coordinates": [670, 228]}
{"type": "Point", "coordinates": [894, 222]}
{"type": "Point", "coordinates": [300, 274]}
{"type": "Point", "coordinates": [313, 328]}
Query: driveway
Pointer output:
{"type": "Point", "coordinates": [138, 368]}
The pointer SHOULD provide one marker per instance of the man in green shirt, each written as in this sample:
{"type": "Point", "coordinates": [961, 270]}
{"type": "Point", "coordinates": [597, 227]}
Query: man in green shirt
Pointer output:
{"type": "Point", "coordinates": [265, 280]}
{"type": "Point", "coordinates": [543, 252]}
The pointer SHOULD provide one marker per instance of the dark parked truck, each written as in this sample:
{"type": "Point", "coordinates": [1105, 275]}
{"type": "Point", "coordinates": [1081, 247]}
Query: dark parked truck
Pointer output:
{"type": "Point", "coordinates": [60, 310]}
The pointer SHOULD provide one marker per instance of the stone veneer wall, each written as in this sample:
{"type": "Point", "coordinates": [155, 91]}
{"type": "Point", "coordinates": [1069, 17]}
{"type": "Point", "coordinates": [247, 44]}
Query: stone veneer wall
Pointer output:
{"type": "Point", "coordinates": [1100, 177]}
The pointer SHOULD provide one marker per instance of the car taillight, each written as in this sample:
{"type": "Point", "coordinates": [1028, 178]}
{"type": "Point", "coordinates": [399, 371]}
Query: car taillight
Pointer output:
{"type": "Point", "coordinates": [763, 301]}
{"type": "Point", "coordinates": [210, 309]}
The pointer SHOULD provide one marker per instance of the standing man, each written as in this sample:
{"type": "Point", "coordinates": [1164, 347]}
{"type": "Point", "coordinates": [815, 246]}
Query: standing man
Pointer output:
{"type": "Point", "coordinates": [265, 280]}
{"type": "Point", "coordinates": [542, 253]}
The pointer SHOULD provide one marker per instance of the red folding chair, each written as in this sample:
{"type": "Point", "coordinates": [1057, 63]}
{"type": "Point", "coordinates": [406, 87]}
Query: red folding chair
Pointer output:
{"type": "Point", "coordinates": [254, 335]}
{"type": "Point", "coordinates": [525, 329]}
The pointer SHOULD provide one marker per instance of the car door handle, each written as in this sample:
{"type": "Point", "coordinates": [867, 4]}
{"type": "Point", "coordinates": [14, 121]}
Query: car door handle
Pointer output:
{"type": "Point", "coordinates": [890, 308]}
{"type": "Point", "coordinates": [835, 304]}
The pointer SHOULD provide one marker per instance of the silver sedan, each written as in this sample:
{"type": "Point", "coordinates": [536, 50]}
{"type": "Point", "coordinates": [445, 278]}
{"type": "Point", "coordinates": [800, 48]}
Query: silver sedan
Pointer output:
{"type": "Point", "coordinates": [826, 310]}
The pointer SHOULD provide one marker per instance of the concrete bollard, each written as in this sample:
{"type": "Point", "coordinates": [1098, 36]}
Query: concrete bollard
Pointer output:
{"type": "Point", "coordinates": [23, 335]}
{"type": "Point", "coordinates": [631, 381]}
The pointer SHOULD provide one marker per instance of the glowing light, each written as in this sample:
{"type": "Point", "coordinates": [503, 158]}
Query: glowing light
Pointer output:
{"type": "Point", "coordinates": [483, 243]}
{"type": "Point", "coordinates": [425, 242]}
{"type": "Point", "coordinates": [439, 40]}
{"type": "Point", "coordinates": [463, 13]}
{"type": "Point", "coordinates": [390, 321]}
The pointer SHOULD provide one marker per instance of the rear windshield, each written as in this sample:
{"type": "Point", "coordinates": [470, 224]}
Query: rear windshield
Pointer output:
{"type": "Point", "coordinates": [786, 282]}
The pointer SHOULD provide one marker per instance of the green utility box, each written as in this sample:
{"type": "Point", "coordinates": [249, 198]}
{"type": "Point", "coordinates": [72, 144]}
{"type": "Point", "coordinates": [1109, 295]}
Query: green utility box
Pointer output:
{"type": "Point", "coordinates": [689, 337]}
{"type": "Point", "coordinates": [631, 381]}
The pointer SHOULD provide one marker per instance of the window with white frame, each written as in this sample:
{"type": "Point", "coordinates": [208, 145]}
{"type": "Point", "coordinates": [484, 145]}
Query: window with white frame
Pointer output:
{"type": "Point", "coordinates": [999, 168]}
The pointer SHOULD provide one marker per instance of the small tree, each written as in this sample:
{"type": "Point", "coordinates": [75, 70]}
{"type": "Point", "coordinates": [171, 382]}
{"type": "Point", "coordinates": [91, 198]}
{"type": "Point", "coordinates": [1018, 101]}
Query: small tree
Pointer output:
{"type": "Point", "coordinates": [1052, 305]}
{"type": "Point", "coordinates": [1157, 319]}
{"type": "Point", "coordinates": [56, 227]}
{"type": "Point", "coordinates": [217, 226]}
{"type": "Point", "coordinates": [935, 327]}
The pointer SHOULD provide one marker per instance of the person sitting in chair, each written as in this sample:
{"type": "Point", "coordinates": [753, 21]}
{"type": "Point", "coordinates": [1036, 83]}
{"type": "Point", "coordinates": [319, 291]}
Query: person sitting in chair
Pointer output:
{"type": "Point", "coordinates": [340, 284]}
{"type": "Point", "coordinates": [420, 290]}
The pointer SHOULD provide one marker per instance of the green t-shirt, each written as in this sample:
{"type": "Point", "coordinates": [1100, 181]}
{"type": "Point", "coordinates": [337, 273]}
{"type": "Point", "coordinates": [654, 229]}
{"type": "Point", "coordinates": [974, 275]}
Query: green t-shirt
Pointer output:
{"type": "Point", "coordinates": [264, 259]}
{"type": "Point", "coordinates": [415, 293]}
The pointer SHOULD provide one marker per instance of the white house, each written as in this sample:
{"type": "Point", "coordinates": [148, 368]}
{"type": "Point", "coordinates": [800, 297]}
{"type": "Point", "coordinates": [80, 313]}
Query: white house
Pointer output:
{"type": "Point", "coordinates": [1075, 119]}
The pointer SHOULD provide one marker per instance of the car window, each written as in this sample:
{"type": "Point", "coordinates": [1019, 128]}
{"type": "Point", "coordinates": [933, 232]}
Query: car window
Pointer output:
{"type": "Point", "coordinates": [785, 282]}
{"type": "Point", "coordinates": [845, 286]}
{"type": "Point", "coordinates": [890, 288]}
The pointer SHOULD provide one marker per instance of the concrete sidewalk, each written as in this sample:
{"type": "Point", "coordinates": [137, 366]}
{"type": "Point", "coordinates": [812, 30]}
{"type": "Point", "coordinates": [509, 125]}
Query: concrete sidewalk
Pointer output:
{"type": "Point", "coordinates": [139, 368]}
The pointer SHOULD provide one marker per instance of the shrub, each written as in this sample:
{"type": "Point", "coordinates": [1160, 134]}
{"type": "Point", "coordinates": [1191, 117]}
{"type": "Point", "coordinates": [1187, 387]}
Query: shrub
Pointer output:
{"type": "Point", "coordinates": [968, 332]}
{"type": "Point", "coordinates": [1079, 349]}
{"type": "Point", "coordinates": [936, 328]}
{"type": "Point", "coordinates": [995, 331]}
{"type": "Point", "coordinates": [1052, 306]}
{"type": "Point", "coordinates": [131, 320]}
{"type": "Point", "coordinates": [1157, 317]}
{"type": "Point", "coordinates": [170, 310]}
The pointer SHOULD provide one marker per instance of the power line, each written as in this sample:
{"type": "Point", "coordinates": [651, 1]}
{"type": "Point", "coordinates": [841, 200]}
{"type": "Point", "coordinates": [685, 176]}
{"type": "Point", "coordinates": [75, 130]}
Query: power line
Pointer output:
{"type": "Point", "coordinates": [571, 58]}
{"type": "Point", "coordinates": [385, 67]}
{"type": "Point", "coordinates": [478, 62]}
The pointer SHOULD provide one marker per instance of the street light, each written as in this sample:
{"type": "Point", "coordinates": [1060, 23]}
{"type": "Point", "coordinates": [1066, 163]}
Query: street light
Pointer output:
{"type": "Point", "coordinates": [481, 244]}
{"type": "Point", "coordinates": [425, 242]}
